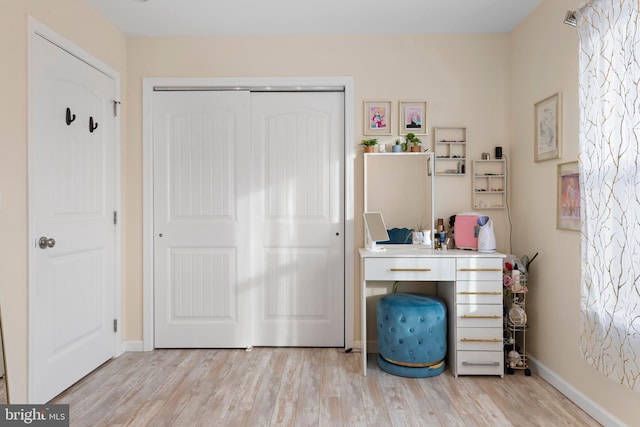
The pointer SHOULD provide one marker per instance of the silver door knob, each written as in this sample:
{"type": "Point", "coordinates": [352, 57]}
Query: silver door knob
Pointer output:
{"type": "Point", "coordinates": [45, 243]}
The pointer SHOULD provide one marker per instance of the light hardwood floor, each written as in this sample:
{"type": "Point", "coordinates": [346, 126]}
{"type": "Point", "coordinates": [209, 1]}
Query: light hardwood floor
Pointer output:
{"type": "Point", "coordinates": [302, 387]}
{"type": "Point", "coordinates": [3, 391]}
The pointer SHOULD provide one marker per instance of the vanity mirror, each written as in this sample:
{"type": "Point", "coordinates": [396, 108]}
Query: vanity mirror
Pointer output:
{"type": "Point", "coordinates": [376, 229]}
{"type": "Point", "coordinates": [4, 388]}
{"type": "Point", "coordinates": [401, 187]}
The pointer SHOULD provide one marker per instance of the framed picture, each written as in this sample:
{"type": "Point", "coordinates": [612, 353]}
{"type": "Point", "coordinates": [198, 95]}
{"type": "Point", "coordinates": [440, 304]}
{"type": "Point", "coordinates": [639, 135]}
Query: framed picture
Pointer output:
{"type": "Point", "coordinates": [568, 197]}
{"type": "Point", "coordinates": [377, 115]}
{"type": "Point", "coordinates": [548, 129]}
{"type": "Point", "coordinates": [413, 117]}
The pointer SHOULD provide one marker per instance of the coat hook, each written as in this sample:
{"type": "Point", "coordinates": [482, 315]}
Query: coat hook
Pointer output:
{"type": "Point", "coordinates": [92, 126]}
{"type": "Point", "coordinates": [70, 117]}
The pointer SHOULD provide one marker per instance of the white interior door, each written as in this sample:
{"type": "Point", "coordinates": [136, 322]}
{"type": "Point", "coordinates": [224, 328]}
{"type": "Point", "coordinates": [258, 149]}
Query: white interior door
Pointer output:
{"type": "Point", "coordinates": [298, 218]}
{"type": "Point", "coordinates": [248, 219]}
{"type": "Point", "coordinates": [201, 214]}
{"type": "Point", "coordinates": [72, 197]}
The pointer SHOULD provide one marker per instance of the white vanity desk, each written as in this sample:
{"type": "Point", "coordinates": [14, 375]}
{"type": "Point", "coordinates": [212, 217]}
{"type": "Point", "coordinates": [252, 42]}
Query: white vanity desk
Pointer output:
{"type": "Point", "coordinates": [469, 282]}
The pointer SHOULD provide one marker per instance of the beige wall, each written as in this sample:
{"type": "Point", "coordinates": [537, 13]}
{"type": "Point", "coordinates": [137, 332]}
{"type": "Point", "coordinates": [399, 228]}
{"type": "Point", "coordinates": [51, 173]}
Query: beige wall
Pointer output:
{"type": "Point", "coordinates": [544, 60]}
{"type": "Point", "coordinates": [487, 83]}
{"type": "Point", "coordinates": [77, 22]}
{"type": "Point", "coordinates": [464, 78]}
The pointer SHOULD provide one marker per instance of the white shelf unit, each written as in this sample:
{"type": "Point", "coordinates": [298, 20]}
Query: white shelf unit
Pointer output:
{"type": "Point", "coordinates": [490, 184]}
{"type": "Point", "coordinates": [450, 148]}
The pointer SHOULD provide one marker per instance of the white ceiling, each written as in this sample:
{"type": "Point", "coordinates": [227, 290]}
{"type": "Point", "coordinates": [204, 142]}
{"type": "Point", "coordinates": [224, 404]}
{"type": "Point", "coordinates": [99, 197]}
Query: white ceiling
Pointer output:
{"type": "Point", "coordinates": [290, 17]}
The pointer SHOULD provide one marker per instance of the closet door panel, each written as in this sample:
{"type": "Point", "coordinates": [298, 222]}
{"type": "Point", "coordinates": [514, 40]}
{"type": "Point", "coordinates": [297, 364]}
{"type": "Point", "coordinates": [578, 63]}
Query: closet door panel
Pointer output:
{"type": "Point", "coordinates": [201, 217]}
{"type": "Point", "coordinates": [297, 217]}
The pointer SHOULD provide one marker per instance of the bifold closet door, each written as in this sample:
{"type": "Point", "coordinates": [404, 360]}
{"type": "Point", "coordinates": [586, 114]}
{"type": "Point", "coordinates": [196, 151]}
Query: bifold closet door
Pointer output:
{"type": "Point", "coordinates": [248, 222]}
{"type": "Point", "coordinates": [202, 279]}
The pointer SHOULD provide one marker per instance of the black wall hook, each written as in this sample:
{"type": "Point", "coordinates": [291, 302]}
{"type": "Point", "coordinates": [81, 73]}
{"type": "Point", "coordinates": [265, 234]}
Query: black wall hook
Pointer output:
{"type": "Point", "coordinates": [70, 117]}
{"type": "Point", "coordinates": [92, 126]}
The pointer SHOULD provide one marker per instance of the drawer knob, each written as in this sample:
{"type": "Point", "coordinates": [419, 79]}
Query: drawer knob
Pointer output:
{"type": "Point", "coordinates": [481, 340]}
{"type": "Point", "coordinates": [409, 269]}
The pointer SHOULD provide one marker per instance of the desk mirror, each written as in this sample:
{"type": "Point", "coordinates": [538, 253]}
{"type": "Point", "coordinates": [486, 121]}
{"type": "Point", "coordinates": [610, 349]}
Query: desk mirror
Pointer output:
{"type": "Point", "coordinates": [401, 187]}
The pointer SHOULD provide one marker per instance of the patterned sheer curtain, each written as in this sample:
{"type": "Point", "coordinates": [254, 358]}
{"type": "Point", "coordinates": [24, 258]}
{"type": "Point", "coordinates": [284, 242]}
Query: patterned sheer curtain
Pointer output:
{"type": "Point", "coordinates": [609, 155]}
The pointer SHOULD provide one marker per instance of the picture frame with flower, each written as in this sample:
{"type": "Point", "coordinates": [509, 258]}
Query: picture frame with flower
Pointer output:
{"type": "Point", "coordinates": [377, 117]}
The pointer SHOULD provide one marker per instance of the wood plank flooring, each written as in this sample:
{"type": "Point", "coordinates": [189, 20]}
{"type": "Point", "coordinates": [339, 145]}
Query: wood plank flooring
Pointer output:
{"type": "Point", "coordinates": [3, 391]}
{"type": "Point", "coordinates": [302, 387]}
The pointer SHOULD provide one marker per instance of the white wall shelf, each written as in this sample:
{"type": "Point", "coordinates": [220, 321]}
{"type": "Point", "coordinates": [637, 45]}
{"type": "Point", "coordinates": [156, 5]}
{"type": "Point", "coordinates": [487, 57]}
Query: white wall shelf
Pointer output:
{"type": "Point", "coordinates": [450, 149]}
{"type": "Point", "coordinates": [490, 184]}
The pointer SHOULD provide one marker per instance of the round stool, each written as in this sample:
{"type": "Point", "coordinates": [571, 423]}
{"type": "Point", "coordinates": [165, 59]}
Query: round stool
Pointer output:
{"type": "Point", "coordinates": [412, 335]}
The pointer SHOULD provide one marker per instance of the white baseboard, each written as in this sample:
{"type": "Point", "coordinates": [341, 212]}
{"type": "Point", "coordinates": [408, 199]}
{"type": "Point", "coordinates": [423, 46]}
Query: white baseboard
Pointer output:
{"type": "Point", "coordinates": [582, 401]}
{"type": "Point", "coordinates": [133, 346]}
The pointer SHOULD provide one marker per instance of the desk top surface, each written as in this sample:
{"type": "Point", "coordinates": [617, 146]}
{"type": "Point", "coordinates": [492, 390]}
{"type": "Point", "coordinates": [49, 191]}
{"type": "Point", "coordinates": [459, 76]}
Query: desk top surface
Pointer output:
{"type": "Point", "coordinates": [418, 251]}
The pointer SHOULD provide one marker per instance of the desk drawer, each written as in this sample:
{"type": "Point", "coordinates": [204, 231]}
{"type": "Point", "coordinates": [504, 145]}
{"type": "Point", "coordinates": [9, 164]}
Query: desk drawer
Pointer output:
{"type": "Point", "coordinates": [480, 339]}
{"type": "Point", "coordinates": [479, 315]}
{"type": "Point", "coordinates": [479, 269]}
{"type": "Point", "coordinates": [410, 269]}
{"type": "Point", "coordinates": [479, 292]}
{"type": "Point", "coordinates": [480, 363]}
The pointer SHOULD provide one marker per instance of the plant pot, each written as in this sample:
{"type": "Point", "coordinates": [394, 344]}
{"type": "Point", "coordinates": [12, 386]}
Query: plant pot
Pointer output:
{"type": "Point", "coordinates": [416, 149]}
{"type": "Point", "coordinates": [396, 148]}
{"type": "Point", "coordinates": [368, 149]}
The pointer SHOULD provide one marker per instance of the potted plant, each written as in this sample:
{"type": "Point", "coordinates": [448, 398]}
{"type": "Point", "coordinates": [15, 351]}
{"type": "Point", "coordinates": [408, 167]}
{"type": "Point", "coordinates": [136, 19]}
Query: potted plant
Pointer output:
{"type": "Point", "coordinates": [369, 144]}
{"type": "Point", "coordinates": [397, 147]}
{"type": "Point", "coordinates": [413, 142]}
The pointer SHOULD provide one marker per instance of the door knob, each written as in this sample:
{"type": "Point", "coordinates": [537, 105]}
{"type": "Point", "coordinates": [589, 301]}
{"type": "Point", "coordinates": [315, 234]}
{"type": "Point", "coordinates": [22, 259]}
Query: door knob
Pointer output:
{"type": "Point", "coordinates": [45, 243]}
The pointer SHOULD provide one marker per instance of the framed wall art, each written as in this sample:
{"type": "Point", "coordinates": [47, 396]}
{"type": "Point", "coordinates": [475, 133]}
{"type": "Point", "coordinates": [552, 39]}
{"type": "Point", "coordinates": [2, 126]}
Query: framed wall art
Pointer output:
{"type": "Point", "coordinates": [568, 205]}
{"type": "Point", "coordinates": [548, 129]}
{"type": "Point", "coordinates": [377, 115]}
{"type": "Point", "coordinates": [413, 117]}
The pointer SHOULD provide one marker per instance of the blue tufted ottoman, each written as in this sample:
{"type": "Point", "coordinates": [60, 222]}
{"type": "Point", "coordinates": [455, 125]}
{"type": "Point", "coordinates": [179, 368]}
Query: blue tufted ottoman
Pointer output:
{"type": "Point", "coordinates": [412, 335]}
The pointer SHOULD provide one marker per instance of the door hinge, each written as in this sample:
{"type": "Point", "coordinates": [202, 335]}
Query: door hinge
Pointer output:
{"type": "Point", "coordinates": [115, 108]}
{"type": "Point", "coordinates": [115, 325]}
{"type": "Point", "coordinates": [115, 217]}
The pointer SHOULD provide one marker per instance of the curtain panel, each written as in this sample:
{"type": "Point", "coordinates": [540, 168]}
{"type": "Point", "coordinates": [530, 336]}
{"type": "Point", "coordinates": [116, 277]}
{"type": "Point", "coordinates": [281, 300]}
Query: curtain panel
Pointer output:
{"type": "Point", "coordinates": [609, 158]}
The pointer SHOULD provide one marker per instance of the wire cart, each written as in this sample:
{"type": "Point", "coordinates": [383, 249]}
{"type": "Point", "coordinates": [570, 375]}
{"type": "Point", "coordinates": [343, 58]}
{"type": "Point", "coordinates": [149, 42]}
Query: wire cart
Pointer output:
{"type": "Point", "coordinates": [515, 328]}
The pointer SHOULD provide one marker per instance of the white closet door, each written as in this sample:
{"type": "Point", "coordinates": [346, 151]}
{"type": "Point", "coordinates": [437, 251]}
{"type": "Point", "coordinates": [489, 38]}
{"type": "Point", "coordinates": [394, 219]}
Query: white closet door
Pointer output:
{"type": "Point", "coordinates": [201, 219]}
{"type": "Point", "coordinates": [72, 196]}
{"type": "Point", "coordinates": [249, 246]}
{"type": "Point", "coordinates": [298, 218]}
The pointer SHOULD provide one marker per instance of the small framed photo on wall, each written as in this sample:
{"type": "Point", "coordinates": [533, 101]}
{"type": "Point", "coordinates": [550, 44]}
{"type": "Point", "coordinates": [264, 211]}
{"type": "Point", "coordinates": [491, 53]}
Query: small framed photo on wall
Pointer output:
{"type": "Point", "coordinates": [548, 129]}
{"type": "Point", "coordinates": [568, 216]}
{"type": "Point", "coordinates": [413, 117]}
{"type": "Point", "coordinates": [377, 115]}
